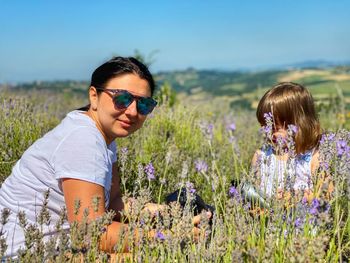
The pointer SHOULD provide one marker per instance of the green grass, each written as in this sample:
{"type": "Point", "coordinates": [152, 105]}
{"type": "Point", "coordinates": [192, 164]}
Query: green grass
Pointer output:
{"type": "Point", "coordinates": [173, 139]}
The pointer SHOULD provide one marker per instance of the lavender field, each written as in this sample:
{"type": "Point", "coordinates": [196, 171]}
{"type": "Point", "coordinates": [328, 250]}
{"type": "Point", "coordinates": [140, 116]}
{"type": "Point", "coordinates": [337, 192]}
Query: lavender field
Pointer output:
{"type": "Point", "coordinates": [201, 147]}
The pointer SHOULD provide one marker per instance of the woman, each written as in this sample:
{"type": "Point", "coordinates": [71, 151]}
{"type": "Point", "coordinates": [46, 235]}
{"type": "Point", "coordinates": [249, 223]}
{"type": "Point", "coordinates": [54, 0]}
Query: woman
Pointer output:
{"type": "Point", "coordinates": [77, 159]}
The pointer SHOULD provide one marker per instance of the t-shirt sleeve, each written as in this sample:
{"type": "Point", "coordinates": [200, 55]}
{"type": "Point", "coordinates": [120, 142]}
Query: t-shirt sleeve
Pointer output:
{"type": "Point", "coordinates": [113, 148]}
{"type": "Point", "coordinates": [82, 155]}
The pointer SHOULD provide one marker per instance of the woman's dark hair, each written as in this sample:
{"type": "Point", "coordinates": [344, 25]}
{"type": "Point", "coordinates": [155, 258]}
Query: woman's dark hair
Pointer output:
{"type": "Point", "coordinates": [118, 66]}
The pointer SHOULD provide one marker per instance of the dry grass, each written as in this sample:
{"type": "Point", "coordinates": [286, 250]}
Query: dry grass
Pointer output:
{"type": "Point", "coordinates": [324, 74]}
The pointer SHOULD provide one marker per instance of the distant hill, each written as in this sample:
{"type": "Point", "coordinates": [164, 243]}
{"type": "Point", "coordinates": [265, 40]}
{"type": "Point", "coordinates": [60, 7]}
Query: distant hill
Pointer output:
{"type": "Point", "coordinates": [241, 88]}
{"type": "Point", "coordinates": [232, 83]}
{"type": "Point", "coordinates": [315, 64]}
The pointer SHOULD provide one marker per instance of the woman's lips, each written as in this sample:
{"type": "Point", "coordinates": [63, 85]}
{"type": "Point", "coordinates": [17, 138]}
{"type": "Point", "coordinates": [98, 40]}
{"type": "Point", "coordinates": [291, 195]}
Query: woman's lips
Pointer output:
{"type": "Point", "coordinates": [125, 124]}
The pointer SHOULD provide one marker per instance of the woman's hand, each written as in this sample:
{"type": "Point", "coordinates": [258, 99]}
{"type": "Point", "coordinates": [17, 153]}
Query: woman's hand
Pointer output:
{"type": "Point", "coordinates": [197, 219]}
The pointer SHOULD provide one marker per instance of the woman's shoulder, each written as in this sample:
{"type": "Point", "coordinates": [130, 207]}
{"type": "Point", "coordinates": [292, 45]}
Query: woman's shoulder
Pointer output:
{"type": "Point", "coordinates": [76, 131]}
{"type": "Point", "coordinates": [79, 125]}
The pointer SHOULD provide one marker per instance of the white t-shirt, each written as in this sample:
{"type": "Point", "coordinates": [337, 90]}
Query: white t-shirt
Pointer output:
{"type": "Point", "coordinates": [73, 149]}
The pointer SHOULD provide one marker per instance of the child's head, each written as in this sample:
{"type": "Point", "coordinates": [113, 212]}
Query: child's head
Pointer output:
{"type": "Point", "coordinates": [291, 103]}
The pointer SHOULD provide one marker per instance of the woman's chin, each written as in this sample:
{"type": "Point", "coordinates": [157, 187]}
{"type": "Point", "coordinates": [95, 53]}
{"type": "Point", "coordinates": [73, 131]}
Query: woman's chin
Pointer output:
{"type": "Point", "coordinates": [120, 133]}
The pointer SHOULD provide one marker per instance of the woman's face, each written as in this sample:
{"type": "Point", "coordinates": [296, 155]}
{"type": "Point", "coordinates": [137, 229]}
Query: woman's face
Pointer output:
{"type": "Point", "coordinates": [114, 122]}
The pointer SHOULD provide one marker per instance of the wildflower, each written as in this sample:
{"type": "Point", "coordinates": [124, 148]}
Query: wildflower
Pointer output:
{"type": "Point", "coordinates": [201, 166]}
{"type": "Point", "coordinates": [207, 130]}
{"type": "Point", "coordinates": [190, 187]}
{"type": "Point", "coordinates": [210, 129]}
{"type": "Point", "coordinates": [324, 165]}
{"type": "Point", "coordinates": [233, 192]}
{"type": "Point", "coordinates": [292, 128]}
{"type": "Point", "coordinates": [123, 158]}
{"type": "Point", "coordinates": [314, 207]}
{"type": "Point", "coordinates": [268, 117]}
{"type": "Point", "coordinates": [160, 236]}
{"type": "Point", "coordinates": [342, 148]}
{"type": "Point", "coordinates": [298, 222]}
{"type": "Point", "coordinates": [281, 144]}
{"type": "Point", "coordinates": [149, 170]}
{"type": "Point", "coordinates": [124, 150]}
{"type": "Point", "coordinates": [231, 127]}
{"type": "Point", "coordinates": [327, 137]}
{"type": "Point", "coordinates": [304, 200]}
{"type": "Point", "coordinates": [267, 129]}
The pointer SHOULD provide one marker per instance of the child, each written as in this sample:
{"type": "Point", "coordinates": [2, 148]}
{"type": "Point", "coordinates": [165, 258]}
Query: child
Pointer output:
{"type": "Point", "coordinates": [289, 158]}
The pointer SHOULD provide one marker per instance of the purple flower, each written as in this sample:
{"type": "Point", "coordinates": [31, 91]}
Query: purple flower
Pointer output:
{"type": "Point", "coordinates": [298, 222]}
{"type": "Point", "coordinates": [331, 136]}
{"type": "Point", "coordinates": [281, 142]}
{"type": "Point", "coordinates": [342, 148]}
{"type": "Point", "coordinates": [268, 117]}
{"type": "Point", "coordinates": [292, 128]}
{"type": "Point", "coordinates": [324, 165]}
{"type": "Point", "coordinates": [207, 130]}
{"type": "Point", "coordinates": [304, 200]}
{"type": "Point", "coordinates": [232, 191]}
{"type": "Point", "coordinates": [267, 129]}
{"type": "Point", "coordinates": [315, 203]}
{"type": "Point", "coordinates": [314, 206]}
{"type": "Point", "coordinates": [190, 187]}
{"type": "Point", "coordinates": [327, 137]}
{"type": "Point", "coordinates": [201, 166]}
{"type": "Point", "coordinates": [210, 129]}
{"type": "Point", "coordinates": [124, 150]}
{"type": "Point", "coordinates": [160, 236]}
{"type": "Point", "coordinates": [149, 170]}
{"type": "Point", "coordinates": [231, 127]}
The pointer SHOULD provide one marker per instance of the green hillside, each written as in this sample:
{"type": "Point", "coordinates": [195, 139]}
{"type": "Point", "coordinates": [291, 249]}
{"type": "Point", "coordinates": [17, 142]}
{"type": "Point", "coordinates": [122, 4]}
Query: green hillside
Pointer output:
{"type": "Point", "coordinates": [237, 88]}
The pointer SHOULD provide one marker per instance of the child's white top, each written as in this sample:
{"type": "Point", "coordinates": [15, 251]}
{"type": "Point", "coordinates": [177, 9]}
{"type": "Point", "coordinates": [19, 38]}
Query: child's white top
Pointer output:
{"type": "Point", "coordinates": [73, 149]}
{"type": "Point", "coordinates": [275, 173]}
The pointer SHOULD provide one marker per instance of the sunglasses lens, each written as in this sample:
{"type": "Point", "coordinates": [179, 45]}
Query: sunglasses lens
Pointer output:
{"type": "Point", "coordinates": [145, 105]}
{"type": "Point", "coordinates": [122, 100]}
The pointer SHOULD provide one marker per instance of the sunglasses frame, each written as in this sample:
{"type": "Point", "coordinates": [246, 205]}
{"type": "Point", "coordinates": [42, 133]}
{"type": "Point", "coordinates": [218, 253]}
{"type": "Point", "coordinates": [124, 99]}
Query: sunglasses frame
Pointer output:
{"type": "Point", "coordinates": [115, 93]}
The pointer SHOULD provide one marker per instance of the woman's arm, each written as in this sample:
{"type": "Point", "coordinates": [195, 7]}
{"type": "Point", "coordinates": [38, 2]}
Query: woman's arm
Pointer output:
{"type": "Point", "coordinates": [85, 192]}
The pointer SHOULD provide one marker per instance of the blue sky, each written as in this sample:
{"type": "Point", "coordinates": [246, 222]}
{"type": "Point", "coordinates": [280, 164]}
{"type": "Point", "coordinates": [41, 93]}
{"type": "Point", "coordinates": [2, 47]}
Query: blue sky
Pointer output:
{"type": "Point", "coordinates": [46, 40]}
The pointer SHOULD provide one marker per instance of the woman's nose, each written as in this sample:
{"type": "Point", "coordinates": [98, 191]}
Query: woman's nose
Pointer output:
{"type": "Point", "coordinates": [132, 109]}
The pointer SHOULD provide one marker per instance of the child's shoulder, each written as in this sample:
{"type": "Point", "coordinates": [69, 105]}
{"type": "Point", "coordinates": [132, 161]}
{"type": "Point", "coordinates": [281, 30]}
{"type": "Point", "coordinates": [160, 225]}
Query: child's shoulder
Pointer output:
{"type": "Point", "coordinates": [261, 153]}
{"type": "Point", "coordinates": [266, 149]}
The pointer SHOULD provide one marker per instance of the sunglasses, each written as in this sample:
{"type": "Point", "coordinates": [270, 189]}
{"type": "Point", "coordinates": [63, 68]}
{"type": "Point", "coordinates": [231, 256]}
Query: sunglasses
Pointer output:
{"type": "Point", "coordinates": [123, 98]}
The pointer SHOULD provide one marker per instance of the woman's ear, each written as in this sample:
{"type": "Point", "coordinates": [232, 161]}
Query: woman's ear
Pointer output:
{"type": "Point", "coordinates": [93, 96]}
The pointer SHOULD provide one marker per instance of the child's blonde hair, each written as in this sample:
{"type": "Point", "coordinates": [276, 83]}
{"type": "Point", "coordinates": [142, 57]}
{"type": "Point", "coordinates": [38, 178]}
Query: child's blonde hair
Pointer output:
{"type": "Point", "coordinates": [291, 103]}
